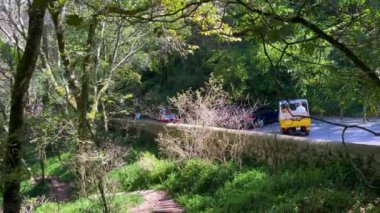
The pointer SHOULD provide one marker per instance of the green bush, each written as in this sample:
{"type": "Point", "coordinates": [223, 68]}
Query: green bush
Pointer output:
{"type": "Point", "coordinates": [324, 200]}
{"type": "Point", "coordinates": [146, 172]}
{"type": "Point", "coordinates": [200, 176]}
{"type": "Point", "coordinates": [196, 203]}
{"type": "Point", "coordinates": [39, 189]}
{"type": "Point", "coordinates": [294, 180]}
{"type": "Point", "coordinates": [129, 177]}
{"type": "Point", "coordinates": [205, 186]}
{"type": "Point", "coordinates": [55, 167]}
{"type": "Point", "coordinates": [244, 192]}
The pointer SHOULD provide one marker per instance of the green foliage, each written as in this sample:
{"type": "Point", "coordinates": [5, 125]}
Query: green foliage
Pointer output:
{"type": "Point", "coordinates": [298, 63]}
{"type": "Point", "coordinates": [245, 187]}
{"type": "Point", "coordinates": [196, 202]}
{"type": "Point", "coordinates": [199, 176]}
{"type": "Point", "coordinates": [305, 189]}
{"type": "Point", "coordinates": [7, 54]}
{"type": "Point", "coordinates": [231, 66]}
{"type": "Point", "coordinates": [41, 188]}
{"type": "Point", "coordinates": [53, 168]}
{"type": "Point", "coordinates": [74, 20]}
{"type": "Point", "coordinates": [146, 172]}
{"type": "Point", "coordinates": [118, 203]}
{"type": "Point", "coordinates": [203, 186]}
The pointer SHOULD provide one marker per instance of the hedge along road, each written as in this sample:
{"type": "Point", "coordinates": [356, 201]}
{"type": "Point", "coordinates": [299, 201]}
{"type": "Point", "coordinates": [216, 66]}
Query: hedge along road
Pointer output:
{"type": "Point", "coordinates": [325, 131]}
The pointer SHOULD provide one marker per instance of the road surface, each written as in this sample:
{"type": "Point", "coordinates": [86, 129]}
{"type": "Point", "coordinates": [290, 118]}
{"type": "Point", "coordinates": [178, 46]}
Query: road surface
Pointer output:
{"type": "Point", "coordinates": [329, 132]}
{"type": "Point", "coordinates": [324, 131]}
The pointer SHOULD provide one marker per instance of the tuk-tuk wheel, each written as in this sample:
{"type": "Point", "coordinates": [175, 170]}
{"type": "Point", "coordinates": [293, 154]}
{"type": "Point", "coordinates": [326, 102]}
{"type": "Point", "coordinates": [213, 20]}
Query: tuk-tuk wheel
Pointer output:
{"type": "Point", "coordinates": [307, 132]}
{"type": "Point", "coordinates": [284, 131]}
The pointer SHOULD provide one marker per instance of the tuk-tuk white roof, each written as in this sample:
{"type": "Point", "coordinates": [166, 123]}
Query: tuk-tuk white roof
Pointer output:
{"type": "Point", "coordinates": [293, 101]}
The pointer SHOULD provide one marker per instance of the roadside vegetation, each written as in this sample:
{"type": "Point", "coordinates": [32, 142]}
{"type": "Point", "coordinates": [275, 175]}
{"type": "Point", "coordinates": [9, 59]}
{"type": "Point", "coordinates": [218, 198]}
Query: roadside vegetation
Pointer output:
{"type": "Point", "coordinates": [201, 185]}
{"type": "Point", "coordinates": [205, 186]}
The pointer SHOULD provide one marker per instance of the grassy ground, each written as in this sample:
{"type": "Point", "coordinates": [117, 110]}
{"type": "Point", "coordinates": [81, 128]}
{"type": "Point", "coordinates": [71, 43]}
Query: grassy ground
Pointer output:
{"type": "Point", "coordinates": [59, 167]}
{"type": "Point", "coordinates": [204, 186]}
{"type": "Point", "coordinates": [201, 186]}
{"type": "Point", "coordinates": [54, 167]}
{"type": "Point", "coordinates": [117, 203]}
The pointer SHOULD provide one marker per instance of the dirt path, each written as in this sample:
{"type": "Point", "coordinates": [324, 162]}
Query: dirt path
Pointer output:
{"type": "Point", "coordinates": [61, 191]}
{"type": "Point", "coordinates": [156, 201]}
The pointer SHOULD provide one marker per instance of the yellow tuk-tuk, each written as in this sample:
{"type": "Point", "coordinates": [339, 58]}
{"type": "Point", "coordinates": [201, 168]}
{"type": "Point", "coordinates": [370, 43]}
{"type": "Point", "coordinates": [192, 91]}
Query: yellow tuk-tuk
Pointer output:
{"type": "Point", "coordinates": [294, 116]}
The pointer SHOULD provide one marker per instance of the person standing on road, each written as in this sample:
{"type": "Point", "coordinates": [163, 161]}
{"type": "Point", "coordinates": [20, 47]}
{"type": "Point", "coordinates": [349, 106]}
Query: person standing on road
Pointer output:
{"type": "Point", "coordinates": [137, 113]}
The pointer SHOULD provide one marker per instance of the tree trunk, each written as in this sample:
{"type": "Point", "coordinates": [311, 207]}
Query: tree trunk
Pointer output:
{"type": "Point", "coordinates": [72, 91]}
{"type": "Point", "coordinates": [3, 121]}
{"type": "Point", "coordinates": [103, 195]}
{"type": "Point", "coordinates": [42, 155]}
{"type": "Point", "coordinates": [95, 100]}
{"type": "Point", "coordinates": [84, 129]}
{"type": "Point", "coordinates": [15, 141]}
{"type": "Point", "coordinates": [105, 118]}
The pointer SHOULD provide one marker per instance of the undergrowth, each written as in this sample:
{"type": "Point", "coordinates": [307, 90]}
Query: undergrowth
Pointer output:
{"type": "Point", "coordinates": [118, 203]}
{"type": "Point", "coordinates": [205, 186]}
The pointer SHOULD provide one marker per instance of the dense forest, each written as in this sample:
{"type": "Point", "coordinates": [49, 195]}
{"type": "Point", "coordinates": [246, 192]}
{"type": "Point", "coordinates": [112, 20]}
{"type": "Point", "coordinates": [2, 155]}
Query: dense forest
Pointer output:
{"type": "Point", "coordinates": [69, 66]}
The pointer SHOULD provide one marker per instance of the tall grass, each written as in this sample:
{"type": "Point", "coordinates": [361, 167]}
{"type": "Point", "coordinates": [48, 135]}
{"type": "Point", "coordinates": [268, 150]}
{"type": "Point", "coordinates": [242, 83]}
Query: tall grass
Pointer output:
{"type": "Point", "coordinates": [205, 186]}
{"type": "Point", "coordinates": [119, 203]}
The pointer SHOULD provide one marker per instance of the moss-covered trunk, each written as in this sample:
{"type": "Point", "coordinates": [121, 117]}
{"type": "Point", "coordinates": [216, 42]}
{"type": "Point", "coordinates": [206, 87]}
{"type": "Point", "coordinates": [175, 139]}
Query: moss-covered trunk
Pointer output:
{"type": "Point", "coordinates": [84, 128]}
{"type": "Point", "coordinates": [15, 141]}
{"type": "Point", "coordinates": [72, 91]}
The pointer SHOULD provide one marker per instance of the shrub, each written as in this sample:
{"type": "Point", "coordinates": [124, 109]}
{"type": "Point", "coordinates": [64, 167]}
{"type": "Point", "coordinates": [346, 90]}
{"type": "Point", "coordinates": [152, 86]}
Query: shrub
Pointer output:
{"type": "Point", "coordinates": [196, 203]}
{"type": "Point", "coordinates": [199, 176]}
{"type": "Point", "coordinates": [208, 106]}
{"type": "Point", "coordinates": [244, 192]}
{"type": "Point", "coordinates": [205, 186]}
{"type": "Point", "coordinates": [146, 172]}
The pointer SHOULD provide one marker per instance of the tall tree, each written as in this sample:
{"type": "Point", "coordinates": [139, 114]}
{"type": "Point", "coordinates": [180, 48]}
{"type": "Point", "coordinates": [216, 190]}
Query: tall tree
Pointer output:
{"type": "Point", "coordinates": [84, 127]}
{"type": "Point", "coordinates": [15, 141]}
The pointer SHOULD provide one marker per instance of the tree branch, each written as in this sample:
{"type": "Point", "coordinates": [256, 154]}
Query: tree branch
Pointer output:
{"type": "Point", "coordinates": [366, 70]}
{"type": "Point", "coordinates": [302, 60]}
{"type": "Point", "coordinates": [266, 52]}
{"type": "Point", "coordinates": [69, 74]}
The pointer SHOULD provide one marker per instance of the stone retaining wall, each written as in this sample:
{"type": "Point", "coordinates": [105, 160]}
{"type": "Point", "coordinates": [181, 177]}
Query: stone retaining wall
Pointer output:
{"type": "Point", "coordinates": [276, 149]}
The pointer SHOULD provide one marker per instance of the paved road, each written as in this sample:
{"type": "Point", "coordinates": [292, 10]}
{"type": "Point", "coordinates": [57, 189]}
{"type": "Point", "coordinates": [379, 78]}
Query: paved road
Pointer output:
{"type": "Point", "coordinates": [324, 131]}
